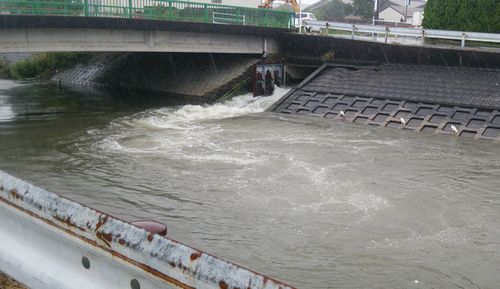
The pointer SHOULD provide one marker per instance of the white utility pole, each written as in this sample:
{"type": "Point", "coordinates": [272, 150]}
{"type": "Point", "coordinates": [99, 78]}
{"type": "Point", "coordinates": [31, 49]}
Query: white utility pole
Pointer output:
{"type": "Point", "coordinates": [300, 16]}
{"type": "Point", "coordinates": [375, 10]}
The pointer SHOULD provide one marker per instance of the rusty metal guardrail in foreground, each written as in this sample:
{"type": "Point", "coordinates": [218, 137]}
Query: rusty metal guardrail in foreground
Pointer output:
{"type": "Point", "coordinates": [48, 241]}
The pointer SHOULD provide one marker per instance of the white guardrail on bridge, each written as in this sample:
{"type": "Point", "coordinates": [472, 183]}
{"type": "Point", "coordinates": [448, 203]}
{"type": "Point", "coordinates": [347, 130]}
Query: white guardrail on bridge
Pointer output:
{"type": "Point", "coordinates": [417, 33]}
{"type": "Point", "coordinates": [50, 242]}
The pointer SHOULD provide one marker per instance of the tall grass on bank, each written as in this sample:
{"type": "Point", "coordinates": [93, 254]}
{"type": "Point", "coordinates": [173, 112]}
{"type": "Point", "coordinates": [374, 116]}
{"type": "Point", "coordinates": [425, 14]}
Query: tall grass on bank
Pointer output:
{"type": "Point", "coordinates": [4, 68]}
{"type": "Point", "coordinates": [45, 64]}
{"type": "Point", "coordinates": [7, 283]}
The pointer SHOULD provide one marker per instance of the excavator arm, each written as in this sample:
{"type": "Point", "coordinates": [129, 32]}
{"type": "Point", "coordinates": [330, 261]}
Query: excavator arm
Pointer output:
{"type": "Point", "coordinates": [268, 3]}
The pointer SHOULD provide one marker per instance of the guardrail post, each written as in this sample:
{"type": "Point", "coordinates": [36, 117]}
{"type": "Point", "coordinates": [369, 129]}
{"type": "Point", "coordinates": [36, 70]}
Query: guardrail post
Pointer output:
{"type": "Point", "coordinates": [423, 36]}
{"type": "Point", "coordinates": [327, 31]}
{"type": "Point", "coordinates": [129, 8]}
{"type": "Point", "coordinates": [205, 13]}
{"type": "Point", "coordinates": [386, 34]}
{"type": "Point", "coordinates": [352, 31]}
{"type": "Point", "coordinates": [37, 8]}
{"type": "Point", "coordinates": [170, 8]}
{"type": "Point", "coordinates": [463, 39]}
{"type": "Point", "coordinates": [86, 8]}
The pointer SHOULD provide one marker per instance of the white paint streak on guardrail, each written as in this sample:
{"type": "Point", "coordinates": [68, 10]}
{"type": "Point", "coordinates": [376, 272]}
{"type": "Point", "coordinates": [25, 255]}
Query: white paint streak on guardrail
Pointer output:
{"type": "Point", "coordinates": [408, 32]}
{"type": "Point", "coordinates": [50, 242]}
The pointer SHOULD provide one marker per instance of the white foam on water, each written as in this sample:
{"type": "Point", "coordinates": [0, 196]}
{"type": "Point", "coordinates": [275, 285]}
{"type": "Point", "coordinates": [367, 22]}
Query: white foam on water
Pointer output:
{"type": "Point", "coordinates": [451, 235]}
{"type": "Point", "coordinates": [8, 84]}
{"type": "Point", "coordinates": [202, 133]}
{"type": "Point", "coordinates": [189, 115]}
{"type": "Point", "coordinates": [190, 132]}
{"type": "Point", "coordinates": [6, 111]}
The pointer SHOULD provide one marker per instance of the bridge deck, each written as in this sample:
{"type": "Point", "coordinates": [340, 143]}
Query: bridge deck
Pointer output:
{"type": "Point", "coordinates": [163, 10]}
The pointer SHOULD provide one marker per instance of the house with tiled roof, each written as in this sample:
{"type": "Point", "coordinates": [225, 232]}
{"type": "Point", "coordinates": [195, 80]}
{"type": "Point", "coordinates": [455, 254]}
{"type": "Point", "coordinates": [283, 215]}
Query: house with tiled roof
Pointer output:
{"type": "Point", "coordinates": [399, 11]}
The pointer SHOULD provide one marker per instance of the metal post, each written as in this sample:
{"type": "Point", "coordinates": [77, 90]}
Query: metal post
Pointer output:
{"type": "Point", "coordinates": [423, 36]}
{"type": "Point", "coordinates": [86, 8]}
{"type": "Point", "coordinates": [406, 13]}
{"type": "Point", "coordinates": [169, 10]}
{"type": "Point", "coordinates": [300, 16]}
{"type": "Point", "coordinates": [352, 31]}
{"type": "Point", "coordinates": [205, 7]}
{"type": "Point", "coordinates": [463, 39]}
{"type": "Point", "coordinates": [386, 34]}
{"type": "Point", "coordinates": [284, 75]}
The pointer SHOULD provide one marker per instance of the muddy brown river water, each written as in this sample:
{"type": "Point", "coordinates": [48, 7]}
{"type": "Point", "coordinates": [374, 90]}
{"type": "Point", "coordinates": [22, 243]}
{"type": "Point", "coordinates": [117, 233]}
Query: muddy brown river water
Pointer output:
{"type": "Point", "coordinates": [314, 203]}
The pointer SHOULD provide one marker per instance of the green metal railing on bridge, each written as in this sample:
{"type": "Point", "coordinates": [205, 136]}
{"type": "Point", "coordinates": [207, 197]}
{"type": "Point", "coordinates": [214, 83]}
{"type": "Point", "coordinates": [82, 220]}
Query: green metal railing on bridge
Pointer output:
{"type": "Point", "coordinates": [152, 9]}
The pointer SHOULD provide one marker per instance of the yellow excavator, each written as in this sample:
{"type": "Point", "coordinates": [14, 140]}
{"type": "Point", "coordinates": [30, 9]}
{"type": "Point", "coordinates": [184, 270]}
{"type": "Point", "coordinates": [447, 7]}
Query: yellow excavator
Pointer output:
{"type": "Point", "coordinates": [268, 3]}
{"type": "Point", "coordinates": [304, 16]}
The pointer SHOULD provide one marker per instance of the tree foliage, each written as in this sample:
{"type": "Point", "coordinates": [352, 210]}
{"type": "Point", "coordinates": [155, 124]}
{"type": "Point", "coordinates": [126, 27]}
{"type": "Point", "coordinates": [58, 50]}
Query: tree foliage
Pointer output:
{"type": "Point", "coordinates": [463, 15]}
{"type": "Point", "coordinates": [363, 8]}
{"type": "Point", "coordinates": [46, 62]}
{"type": "Point", "coordinates": [337, 9]}
{"type": "Point", "coordinates": [333, 10]}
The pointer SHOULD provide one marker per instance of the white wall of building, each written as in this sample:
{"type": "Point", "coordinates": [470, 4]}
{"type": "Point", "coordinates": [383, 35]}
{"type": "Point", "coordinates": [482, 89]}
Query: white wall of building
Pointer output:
{"type": "Point", "coordinates": [418, 16]}
{"type": "Point", "coordinates": [390, 14]}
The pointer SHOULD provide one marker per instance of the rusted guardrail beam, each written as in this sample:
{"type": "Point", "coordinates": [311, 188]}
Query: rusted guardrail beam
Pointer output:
{"type": "Point", "coordinates": [51, 242]}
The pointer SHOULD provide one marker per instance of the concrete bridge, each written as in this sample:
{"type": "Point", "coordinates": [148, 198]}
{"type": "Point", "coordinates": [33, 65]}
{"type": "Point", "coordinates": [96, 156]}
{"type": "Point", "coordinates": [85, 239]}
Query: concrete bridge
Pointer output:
{"type": "Point", "coordinates": [139, 26]}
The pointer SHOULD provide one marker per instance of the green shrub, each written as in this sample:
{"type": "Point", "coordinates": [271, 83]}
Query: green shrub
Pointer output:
{"type": "Point", "coordinates": [4, 68]}
{"type": "Point", "coordinates": [333, 10]}
{"type": "Point", "coordinates": [46, 63]}
{"type": "Point", "coordinates": [463, 15]}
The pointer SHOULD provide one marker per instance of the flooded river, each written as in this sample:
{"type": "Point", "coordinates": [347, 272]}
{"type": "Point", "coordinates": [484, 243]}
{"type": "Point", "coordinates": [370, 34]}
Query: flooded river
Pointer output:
{"type": "Point", "coordinates": [314, 203]}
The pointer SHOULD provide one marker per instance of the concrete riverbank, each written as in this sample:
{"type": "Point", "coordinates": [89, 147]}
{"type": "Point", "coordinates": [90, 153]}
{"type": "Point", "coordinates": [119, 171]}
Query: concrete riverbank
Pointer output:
{"type": "Point", "coordinates": [202, 77]}
{"type": "Point", "coordinates": [199, 77]}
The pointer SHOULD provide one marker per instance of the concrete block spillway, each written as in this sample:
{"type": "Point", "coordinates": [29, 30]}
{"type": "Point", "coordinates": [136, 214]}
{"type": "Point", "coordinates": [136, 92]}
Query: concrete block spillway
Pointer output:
{"type": "Point", "coordinates": [441, 99]}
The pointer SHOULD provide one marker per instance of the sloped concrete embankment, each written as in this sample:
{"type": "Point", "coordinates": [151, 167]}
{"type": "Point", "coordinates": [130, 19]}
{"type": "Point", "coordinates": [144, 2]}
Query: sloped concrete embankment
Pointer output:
{"type": "Point", "coordinates": [199, 77]}
{"type": "Point", "coordinates": [12, 58]}
{"type": "Point", "coordinates": [461, 101]}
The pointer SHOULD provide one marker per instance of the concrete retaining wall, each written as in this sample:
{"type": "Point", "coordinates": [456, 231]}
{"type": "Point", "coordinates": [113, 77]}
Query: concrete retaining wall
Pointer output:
{"type": "Point", "coordinates": [314, 46]}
